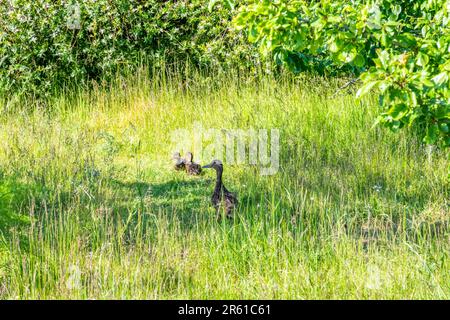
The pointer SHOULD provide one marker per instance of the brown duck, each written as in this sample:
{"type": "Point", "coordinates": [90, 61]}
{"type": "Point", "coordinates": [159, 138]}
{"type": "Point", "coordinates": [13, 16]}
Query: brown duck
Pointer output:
{"type": "Point", "coordinates": [179, 163]}
{"type": "Point", "coordinates": [192, 168]}
{"type": "Point", "coordinates": [222, 198]}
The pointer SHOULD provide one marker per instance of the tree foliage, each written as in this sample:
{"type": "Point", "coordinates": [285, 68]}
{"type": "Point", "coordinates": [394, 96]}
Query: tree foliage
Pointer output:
{"type": "Point", "coordinates": [400, 48]}
{"type": "Point", "coordinates": [45, 43]}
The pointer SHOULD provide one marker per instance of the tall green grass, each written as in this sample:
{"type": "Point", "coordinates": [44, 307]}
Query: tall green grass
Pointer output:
{"type": "Point", "coordinates": [90, 207]}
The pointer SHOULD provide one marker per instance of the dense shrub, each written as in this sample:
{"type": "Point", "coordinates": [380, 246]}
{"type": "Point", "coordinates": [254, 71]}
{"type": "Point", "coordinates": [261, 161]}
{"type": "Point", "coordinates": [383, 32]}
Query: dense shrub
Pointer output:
{"type": "Point", "coordinates": [44, 43]}
{"type": "Point", "coordinates": [401, 48]}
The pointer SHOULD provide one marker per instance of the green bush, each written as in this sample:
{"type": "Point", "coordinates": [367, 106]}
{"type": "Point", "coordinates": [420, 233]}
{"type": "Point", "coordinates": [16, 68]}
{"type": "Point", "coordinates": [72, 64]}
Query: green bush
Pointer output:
{"type": "Point", "coordinates": [45, 44]}
{"type": "Point", "coordinates": [399, 47]}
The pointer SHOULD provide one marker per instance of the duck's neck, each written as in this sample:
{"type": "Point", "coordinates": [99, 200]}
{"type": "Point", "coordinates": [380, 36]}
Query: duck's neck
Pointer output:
{"type": "Point", "coordinates": [218, 180]}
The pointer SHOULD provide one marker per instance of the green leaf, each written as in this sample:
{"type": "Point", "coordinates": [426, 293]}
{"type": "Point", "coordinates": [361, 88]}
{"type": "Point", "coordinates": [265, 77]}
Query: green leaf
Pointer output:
{"type": "Point", "coordinates": [412, 97]}
{"type": "Point", "coordinates": [359, 61]}
{"type": "Point", "coordinates": [335, 45]}
{"type": "Point", "coordinates": [431, 134]}
{"type": "Point", "coordinates": [252, 33]}
{"type": "Point", "coordinates": [374, 21]}
{"type": "Point", "coordinates": [347, 56]}
{"type": "Point", "coordinates": [422, 59]}
{"type": "Point", "coordinates": [440, 78]}
{"type": "Point", "coordinates": [366, 88]}
{"type": "Point", "coordinates": [398, 111]}
{"type": "Point", "coordinates": [383, 57]}
{"type": "Point", "coordinates": [444, 127]}
{"type": "Point", "coordinates": [427, 82]}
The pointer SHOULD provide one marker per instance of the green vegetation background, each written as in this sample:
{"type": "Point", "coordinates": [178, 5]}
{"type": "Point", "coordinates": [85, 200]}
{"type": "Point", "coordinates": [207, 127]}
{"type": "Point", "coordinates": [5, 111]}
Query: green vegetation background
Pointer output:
{"type": "Point", "coordinates": [90, 207]}
{"type": "Point", "coordinates": [49, 45]}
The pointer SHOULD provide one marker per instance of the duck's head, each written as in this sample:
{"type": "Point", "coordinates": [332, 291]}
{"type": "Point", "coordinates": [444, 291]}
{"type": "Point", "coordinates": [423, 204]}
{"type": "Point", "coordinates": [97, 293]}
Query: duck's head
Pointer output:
{"type": "Point", "coordinates": [177, 159]}
{"type": "Point", "coordinates": [189, 157]}
{"type": "Point", "coordinates": [215, 164]}
{"type": "Point", "coordinates": [176, 156]}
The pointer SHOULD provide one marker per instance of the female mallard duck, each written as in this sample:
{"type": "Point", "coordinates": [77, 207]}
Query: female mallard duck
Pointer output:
{"type": "Point", "coordinates": [221, 196]}
{"type": "Point", "coordinates": [179, 163]}
{"type": "Point", "coordinates": [192, 168]}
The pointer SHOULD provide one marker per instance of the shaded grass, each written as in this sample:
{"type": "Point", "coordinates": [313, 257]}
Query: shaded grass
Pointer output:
{"type": "Point", "coordinates": [354, 211]}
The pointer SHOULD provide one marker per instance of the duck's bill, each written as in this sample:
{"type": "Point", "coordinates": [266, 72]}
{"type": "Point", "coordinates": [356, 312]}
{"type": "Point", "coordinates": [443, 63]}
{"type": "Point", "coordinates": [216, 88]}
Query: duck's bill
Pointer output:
{"type": "Point", "coordinates": [207, 166]}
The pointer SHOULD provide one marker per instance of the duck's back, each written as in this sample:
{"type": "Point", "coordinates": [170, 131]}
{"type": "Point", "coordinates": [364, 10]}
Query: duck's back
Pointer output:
{"type": "Point", "coordinates": [179, 164]}
{"type": "Point", "coordinates": [229, 196]}
{"type": "Point", "coordinates": [193, 168]}
{"type": "Point", "coordinates": [226, 199]}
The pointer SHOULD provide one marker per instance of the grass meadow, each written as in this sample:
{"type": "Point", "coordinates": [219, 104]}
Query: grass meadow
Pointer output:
{"type": "Point", "coordinates": [90, 207]}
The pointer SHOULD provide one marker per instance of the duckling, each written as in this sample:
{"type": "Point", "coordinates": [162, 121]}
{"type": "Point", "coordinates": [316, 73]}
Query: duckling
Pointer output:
{"type": "Point", "coordinates": [221, 196]}
{"type": "Point", "coordinates": [192, 168]}
{"type": "Point", "coordinates": [179, 163]}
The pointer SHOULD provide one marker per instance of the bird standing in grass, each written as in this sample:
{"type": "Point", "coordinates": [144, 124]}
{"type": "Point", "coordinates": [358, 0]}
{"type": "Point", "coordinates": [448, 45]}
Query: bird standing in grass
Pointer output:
{"type": "Point", "coordinates": [192, 168]}
{"type": "Point", "coordinates": [179, 163]}
{"type": "Point", "coordinates": [222, 198]}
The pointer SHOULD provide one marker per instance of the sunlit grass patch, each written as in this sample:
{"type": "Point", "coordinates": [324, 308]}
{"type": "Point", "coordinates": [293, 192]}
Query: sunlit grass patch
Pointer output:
{"type": "Point", "coordinates": [353, 212]}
